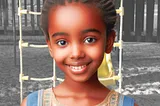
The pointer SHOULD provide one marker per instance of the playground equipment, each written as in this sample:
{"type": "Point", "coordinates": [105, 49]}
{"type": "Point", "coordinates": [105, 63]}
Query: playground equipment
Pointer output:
{"type": "Point", "coordinates": [106, 75]}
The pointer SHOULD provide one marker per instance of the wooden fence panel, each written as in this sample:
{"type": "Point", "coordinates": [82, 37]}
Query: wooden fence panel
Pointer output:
{"type": "Point", "coordinates": [131, 15]}
{"type": "Point", "coordinates": [38, 10]}
{"type": "Point", "coordinates": [32, 17]}
{"type": "Point", "coordinates": [149, 19]}
{"type": "Point", "coordinates": [0, 12]}
{"type": "Point", "coordinates": [117, 5]}
{"type": "Point", "coordinates": [139, 20]}
{"type": "Point", "coordinates": [39, 4]}
{"type": "Point", "coordinates": [14, 31]}
{"type": "Point", "coordinates": [158, 25]}
{"type": "Point", "coordinates": [25, 16]}
{"type": "Point", "coordinates": [5, 15]}
{"type": "Point", "coordinates": [128, 20]}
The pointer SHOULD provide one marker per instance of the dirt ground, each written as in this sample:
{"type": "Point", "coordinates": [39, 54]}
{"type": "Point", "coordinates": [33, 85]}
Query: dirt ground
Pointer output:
{"type": "Point", "coordinates": [141, 72]}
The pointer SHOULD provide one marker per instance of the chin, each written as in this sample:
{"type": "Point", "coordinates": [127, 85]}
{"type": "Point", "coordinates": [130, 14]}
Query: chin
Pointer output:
{"type": "Point", "coordinates": [81, 78]}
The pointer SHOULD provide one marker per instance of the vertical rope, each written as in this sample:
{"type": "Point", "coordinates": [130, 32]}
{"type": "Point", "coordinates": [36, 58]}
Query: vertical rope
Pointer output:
{"type": "Point", "coordinates": [120, 51]}
{"type": "Point", "coordinates": [20, 48]}
{"type": "Point", "coordinates": [54, 73]}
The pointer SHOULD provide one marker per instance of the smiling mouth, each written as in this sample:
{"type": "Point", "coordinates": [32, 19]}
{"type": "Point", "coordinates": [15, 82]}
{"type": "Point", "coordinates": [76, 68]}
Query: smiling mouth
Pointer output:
{"type": "Point", "coordinates": [77, 69]}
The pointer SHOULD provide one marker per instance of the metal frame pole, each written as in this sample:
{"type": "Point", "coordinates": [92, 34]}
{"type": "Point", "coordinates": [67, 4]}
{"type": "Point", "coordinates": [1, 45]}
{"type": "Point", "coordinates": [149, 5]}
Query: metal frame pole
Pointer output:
{"type": "Point", "coordinates": [120, 49]}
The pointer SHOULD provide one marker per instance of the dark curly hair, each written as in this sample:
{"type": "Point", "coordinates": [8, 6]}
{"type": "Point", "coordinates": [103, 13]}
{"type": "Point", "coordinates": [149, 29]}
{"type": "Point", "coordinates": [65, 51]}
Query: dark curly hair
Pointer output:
{"type": "Point", "coordinates": [106, 7]}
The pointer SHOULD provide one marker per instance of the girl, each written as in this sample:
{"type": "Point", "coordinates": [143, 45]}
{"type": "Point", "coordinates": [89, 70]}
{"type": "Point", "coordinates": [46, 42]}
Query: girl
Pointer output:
{"type": "Point", "coordinates": [78, 33]}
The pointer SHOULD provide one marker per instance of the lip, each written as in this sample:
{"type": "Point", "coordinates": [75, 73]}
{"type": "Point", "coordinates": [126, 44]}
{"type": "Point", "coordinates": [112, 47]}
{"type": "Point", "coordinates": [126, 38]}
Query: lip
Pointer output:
{"type": "Point", "coordinates": [78, 63]}
{"type": "Point", "coordinates": [78, 68]}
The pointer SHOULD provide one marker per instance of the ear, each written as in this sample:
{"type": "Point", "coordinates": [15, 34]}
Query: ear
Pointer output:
{"type": "Point", "coordinates": [49, 47]}
{"type": "Point", "coordinates": [110, 41]}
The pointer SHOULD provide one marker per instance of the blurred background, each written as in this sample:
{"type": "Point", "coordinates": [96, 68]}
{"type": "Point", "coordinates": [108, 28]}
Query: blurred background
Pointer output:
{"type": "Point", "coordinates": [141, 51]}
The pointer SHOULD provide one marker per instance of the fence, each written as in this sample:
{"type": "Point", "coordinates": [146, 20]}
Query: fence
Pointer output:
{"type": "Point", "coordinates": [9, 16]}
{"type": "Point", "coordinates": [141, 19]}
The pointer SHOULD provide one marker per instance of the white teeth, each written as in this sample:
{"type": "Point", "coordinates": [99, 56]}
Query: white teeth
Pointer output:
{"type": "Point", "coordinates": [77, 67]}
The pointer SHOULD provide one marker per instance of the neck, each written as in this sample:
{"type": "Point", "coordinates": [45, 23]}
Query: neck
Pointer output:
{"type": "Point", "coordinates": [83, 87]}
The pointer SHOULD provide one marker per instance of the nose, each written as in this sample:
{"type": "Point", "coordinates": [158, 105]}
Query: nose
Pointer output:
{"type": "Point", "coordinates": [77, 52]}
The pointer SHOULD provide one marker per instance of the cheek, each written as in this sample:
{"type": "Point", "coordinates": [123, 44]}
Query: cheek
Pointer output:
{"type": "Point", "coordinates": [97, 52]}
{"type": "Point", "coordinates": [59, 55]}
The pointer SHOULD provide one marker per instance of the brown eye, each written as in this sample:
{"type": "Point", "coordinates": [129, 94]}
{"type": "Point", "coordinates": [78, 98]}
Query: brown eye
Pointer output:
{"type": "Point", "coordinates": [89, 40]}
{"type": "Point", "coordinates": [61, 42]}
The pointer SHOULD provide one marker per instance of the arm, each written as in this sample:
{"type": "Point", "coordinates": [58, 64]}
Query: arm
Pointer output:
{"type": "Point", "coordinates": [135, 104]}
{"type": "Point", "coordinates": [24, 102]}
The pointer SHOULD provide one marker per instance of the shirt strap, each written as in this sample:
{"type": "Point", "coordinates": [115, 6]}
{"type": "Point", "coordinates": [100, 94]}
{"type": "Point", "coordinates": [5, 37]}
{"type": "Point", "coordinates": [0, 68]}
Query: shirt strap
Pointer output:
{"type": "Point", "coordinates": [125, 101]}
{"type": "Point", "coordinates": [113, 98]}
{"type": "Point", "coordinates": [47, 97]}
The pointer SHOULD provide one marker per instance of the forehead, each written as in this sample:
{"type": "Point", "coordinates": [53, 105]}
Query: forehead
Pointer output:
{"type": "Point", "coordinates": [75, 15]}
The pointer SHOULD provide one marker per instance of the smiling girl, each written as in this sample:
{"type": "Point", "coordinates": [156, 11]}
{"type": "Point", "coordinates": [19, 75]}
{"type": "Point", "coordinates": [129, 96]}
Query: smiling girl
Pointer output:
{"type": "Point", "coordinates": [78, 33]}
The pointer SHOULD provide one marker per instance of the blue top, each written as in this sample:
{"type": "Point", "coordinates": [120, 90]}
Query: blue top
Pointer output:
{"type": "Point", "coordinates": [32, 99]}
{"type": "Point", "coordinates": [36, 98]}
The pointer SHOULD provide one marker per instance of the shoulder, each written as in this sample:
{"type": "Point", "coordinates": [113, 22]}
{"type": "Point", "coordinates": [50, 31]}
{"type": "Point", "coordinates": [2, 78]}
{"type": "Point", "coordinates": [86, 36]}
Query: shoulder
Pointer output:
{"type": "Point", "coordinates": [126, 100]}
{"type": "Point", "coordinates": [37, 97]}
{"type": "Point", "coordinates": [121, 100]}
{"type": "Point", "coordinates": [31, 99]}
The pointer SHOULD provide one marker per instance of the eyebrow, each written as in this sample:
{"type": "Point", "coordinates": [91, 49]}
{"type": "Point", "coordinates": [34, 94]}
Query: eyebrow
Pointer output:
{"type": "Point", "coordinates": [59, 33]}
{"type": "Point", "coordinates": [91, 30]}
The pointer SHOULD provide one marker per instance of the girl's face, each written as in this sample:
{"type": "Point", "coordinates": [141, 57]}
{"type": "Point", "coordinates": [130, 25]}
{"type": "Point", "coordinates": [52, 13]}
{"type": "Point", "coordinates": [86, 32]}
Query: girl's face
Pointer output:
{"type": "Point", "coordinates": [77, 40]}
